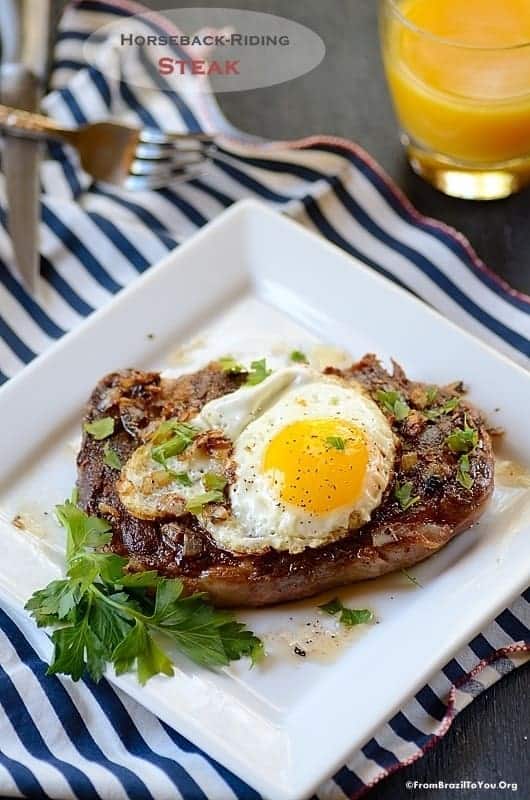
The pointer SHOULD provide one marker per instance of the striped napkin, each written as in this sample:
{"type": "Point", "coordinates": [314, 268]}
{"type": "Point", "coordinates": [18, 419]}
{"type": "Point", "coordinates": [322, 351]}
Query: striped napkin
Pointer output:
{"type": "Point", "coordinates": [64, 740]}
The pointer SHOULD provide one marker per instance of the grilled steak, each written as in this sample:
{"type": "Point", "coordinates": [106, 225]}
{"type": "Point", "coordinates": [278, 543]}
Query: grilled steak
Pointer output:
{"type": "Point", "coordinates": [395, 538]}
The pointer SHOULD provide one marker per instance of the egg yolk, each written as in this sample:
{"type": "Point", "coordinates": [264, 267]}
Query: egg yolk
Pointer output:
{"type": "Point", "coordinates": [322, 463]}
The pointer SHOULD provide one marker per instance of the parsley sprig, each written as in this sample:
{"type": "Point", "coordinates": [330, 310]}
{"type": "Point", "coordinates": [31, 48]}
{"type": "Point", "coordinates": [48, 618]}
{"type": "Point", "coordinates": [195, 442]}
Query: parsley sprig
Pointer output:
{"type": "Point", "coordinates": [347, 616]}
{"type": "Point", "coordinates": [394, 403]}
{"type": "Point", "coordinates": [102, 615]}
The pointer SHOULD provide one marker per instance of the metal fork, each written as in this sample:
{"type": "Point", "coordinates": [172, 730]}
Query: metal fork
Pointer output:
{"type": "Point", "coordinates": [133, 158]}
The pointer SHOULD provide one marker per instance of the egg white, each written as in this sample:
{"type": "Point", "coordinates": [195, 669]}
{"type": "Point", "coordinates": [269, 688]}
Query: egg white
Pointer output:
{"type": "Point", "coordinates": [259, 518]}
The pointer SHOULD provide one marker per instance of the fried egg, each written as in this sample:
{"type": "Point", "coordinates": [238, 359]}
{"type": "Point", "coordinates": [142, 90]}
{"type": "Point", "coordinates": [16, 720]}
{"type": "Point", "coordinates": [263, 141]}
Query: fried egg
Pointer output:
{"type": "Point", "coordinates": [307, 460]}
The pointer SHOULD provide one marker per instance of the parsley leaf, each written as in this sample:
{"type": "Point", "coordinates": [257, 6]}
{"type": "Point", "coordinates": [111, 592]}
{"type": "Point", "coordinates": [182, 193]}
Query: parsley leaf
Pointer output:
{"type": "Point", "coordinates": [134, 580]}
{"type": "Point", "coordinates": [108, 624]}
{"type": "Point", "coordinates": [212, 480]}
{"type": "Point", "coordinates": [394, 403]}
{"type": "Point", "coordinates": [81, 530]}
{"type": "Point", "coordinates": [238, 640]}
{"type": "Point", "coordinates": [347, 616]}
{"type": "Point", "coordinates": [100, 428]}
{"type": "Point", "coordinates": [76, 647]}
{"type": "Point", "coordinates": [110, 457]}
{"type": "Point", "coordinates": [196, 504]}
{"type": "Point", "coordinates": [230, 365]}
{"type": "Point", "coordinates": [138, 648]}
{"type": "Point", "coordinates": [298, 357]}
{"type": "Point", "coordinates": [337, 442]}
{"type": "Point", "coordinates": [258, 372]}
{"type": "Point", "coordinates": [462, 440]}
{"type": "Point", "coordinates": [463, 475]}
{"type": "Point", "coordinates": [103, 615]}
{"type": "Point", "coordinates": [403, 495]}
{"type": "Point", "coordinates": [52, 604]}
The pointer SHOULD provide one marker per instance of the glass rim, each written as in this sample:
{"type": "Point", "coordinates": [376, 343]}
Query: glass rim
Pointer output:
{"type": "Point", "coordinates": [394, 6]}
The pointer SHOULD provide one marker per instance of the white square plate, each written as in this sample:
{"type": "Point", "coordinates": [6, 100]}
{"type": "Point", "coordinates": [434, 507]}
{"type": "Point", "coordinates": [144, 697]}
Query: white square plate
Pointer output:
{"type": "Point", "coordinates": [287, 725]}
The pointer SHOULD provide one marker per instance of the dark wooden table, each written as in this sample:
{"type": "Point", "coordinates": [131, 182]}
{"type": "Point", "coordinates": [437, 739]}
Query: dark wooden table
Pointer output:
{"type": "Point", "coordinates": [346, 95]}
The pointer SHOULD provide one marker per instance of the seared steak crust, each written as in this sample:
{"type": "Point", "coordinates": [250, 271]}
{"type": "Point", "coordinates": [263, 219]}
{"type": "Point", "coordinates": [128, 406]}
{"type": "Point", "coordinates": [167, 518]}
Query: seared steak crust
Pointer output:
{"type": "Point", "coordinates": [393, 539]}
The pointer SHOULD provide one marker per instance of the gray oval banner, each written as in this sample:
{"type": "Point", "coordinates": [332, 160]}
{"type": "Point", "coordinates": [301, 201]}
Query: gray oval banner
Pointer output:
{"type": "Point", "coordinates": [204, 49]}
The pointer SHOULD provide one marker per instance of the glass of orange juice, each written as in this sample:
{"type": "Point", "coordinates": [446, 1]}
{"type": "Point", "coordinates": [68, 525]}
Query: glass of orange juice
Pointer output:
{"type": "Point", "coordinates": [459, 76]}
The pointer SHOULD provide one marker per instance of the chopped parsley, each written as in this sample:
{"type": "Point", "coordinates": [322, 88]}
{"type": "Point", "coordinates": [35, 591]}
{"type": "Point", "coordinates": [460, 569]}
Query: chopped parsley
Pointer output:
{"type": "Point", "coordinates": [171, 439]}
{"type": "Point", "coordinates": [111, 458]}
{"type": "Point", "coordinates": [230, 365]}
{"type": "Point", "coordinates": [431, 394]}
{"type": "Point", "coordinates": [332, 607]}
{"type": "Point", "coordinates": [102, 615]}
{"type": "Point", "coordinates": [403, 495]}
{"type": "Point", "coordinates": [463, 474]}
{"type": "Point", "coordinates": [212, 480]}
{"type": "Point", "coordinates": [439, 411]}
{"type": "Point", "coordinates": [394, 403]}
{"type": "Point", "coordinates": [347, 616]}
{"type": "Point", "coordinates": [100, 428]}
{"type": "Point", "coordinates": [298, 357]}
{"type": "Point", "coordinates": [412, 578]}
{"type": "Point", "coordinates": [258, 372]}
{"type": "Point", "coordinates": [197, 503]}
{"type": "Point", "coordinates": [462, 440]}
{"type": "Point", "coordinates": [181, 477]}
{"type": "Point", "coordinates": [337, 442]}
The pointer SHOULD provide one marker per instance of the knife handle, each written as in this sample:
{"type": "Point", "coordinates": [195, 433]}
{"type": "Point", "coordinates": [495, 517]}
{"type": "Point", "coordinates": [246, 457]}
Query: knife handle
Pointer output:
{"type": "Point", "coordinates": [30, 125]}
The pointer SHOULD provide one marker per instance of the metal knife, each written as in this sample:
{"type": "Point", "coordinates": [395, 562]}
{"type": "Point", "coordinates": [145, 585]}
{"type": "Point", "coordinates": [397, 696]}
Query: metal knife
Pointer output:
{"type": "Point", "coordinates": [25, 26]}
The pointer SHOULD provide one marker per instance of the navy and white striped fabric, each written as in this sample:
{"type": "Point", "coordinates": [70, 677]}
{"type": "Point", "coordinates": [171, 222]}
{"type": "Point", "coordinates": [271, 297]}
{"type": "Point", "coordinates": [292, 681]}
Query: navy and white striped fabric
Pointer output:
{"type": "Point", "coordinates": [64, 740]}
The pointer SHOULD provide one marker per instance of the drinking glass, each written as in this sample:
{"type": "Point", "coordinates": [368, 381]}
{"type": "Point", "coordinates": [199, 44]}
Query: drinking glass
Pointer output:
{"type": "Point", "coordinates": [462, 98]}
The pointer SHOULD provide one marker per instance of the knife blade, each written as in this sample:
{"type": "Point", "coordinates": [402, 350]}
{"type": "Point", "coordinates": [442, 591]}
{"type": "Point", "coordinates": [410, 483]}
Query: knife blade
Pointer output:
{"type": "Point", "coordinates": [21, 83]}
{"type": "Point", "coordinates": [21, 161]}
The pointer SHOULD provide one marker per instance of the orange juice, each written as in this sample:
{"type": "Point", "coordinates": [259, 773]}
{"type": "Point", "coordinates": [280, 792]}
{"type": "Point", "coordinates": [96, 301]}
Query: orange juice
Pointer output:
{"type": "Point", "coordinates": [459, 75]}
